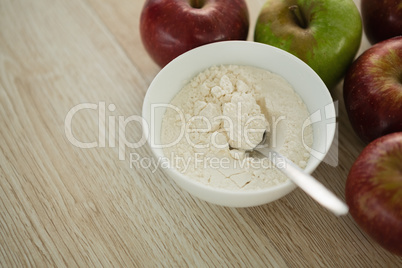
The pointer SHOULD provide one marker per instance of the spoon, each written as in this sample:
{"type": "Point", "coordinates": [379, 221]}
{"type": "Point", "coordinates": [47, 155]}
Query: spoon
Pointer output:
{"type": "Point", "coordinates": [302, 179]}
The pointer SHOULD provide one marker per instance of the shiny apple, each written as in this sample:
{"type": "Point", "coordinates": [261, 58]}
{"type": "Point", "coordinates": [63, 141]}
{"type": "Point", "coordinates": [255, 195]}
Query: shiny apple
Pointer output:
{"type": "Point", "coordinates": [374, 191]}
{"type": "Point", "coordinates": [171, 27]}
{"type": "Point", "coordinates": [326, 34]}
{"type": "Point", "coordinates": [372, 90]}
{"type": "Point", "coordinates": [382, 19]}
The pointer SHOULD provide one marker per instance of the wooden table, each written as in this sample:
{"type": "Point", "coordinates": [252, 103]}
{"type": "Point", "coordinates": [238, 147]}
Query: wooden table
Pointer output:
{"type": "Point", "coordinates": [63, 205]}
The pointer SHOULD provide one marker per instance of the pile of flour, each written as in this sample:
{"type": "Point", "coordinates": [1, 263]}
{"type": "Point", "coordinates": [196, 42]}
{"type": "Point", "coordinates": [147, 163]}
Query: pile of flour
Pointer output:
{"type": "Point", "coordinates": [224, 111]}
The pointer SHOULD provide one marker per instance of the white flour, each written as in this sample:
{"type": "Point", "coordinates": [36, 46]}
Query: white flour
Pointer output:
{"type": "Point", "coordinates": [227, 107]}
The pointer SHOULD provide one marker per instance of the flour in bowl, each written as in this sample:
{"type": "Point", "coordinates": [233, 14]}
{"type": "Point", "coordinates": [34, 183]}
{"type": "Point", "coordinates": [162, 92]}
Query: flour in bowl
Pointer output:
{"type": "Point", "coordinates": [223, 112]}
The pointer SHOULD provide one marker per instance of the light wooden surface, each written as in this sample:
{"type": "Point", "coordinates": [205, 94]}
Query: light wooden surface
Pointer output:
{"type": "Point", "coordinates": [61, 205]}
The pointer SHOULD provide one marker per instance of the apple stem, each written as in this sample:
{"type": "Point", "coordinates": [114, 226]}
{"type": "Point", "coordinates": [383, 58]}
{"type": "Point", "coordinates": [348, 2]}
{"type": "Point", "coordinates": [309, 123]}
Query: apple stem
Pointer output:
{"type": "Point", "coordinates": [299, 16]}
{"type": "Point", "coordinates": [197, 3]}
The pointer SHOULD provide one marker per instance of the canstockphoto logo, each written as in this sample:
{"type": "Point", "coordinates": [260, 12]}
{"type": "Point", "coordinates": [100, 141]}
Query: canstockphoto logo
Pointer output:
{"type": "Point", "coordinates": [108, 125]}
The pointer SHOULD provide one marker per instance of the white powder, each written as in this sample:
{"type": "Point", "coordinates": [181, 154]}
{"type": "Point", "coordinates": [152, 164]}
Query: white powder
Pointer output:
{"type": "Point", "coordinates": [224, 111]}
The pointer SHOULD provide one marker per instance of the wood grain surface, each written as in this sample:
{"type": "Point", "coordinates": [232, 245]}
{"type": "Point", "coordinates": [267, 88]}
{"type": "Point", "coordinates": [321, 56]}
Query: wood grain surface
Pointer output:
{"type": "Point", "coordinates": [62, 205]}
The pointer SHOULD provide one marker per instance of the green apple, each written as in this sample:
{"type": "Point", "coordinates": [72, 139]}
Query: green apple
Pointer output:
{"type": "Point", "coordinates": [325, 34]}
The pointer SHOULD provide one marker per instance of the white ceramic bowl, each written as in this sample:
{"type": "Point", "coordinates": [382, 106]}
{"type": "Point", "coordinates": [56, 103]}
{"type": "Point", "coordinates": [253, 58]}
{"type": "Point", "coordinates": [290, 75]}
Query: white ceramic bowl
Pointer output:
{"type": "Point", "coordinates": [304, 80]}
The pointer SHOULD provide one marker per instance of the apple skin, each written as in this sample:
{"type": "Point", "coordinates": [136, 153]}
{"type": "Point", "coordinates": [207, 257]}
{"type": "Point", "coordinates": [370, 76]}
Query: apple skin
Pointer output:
{"type": "Point", "coordinates": [171, 27]}
{"type": "Point", "coordinates": [328, 44]}
{"type": "Point", "coordinates": [373, 191]}
{"type": "Point", "coordinates": [372, 90]}
{"type": "Point", "coordinates": [382, 19]}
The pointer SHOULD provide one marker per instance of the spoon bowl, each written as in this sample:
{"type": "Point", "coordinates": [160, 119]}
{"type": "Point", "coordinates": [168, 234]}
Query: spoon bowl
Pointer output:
{"type": "Point", "coordinates": [306, 83]}
{"type": "Point", "coordinates": [305, 181]}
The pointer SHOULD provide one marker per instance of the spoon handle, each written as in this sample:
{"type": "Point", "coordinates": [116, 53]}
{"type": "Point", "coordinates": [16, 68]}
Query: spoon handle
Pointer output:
{"type": "Point", "coordinates": [306, 182]}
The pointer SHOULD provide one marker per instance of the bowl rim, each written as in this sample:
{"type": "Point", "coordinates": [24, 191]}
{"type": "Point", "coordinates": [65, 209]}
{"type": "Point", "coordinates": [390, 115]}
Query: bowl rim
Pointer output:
{"type": "Point", "coordinates": [235, 45]}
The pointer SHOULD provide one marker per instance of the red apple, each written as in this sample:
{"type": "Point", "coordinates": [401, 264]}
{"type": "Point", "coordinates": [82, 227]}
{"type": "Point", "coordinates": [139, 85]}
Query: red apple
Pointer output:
{"type": "Point", "coordinates": [374, 191]}
{"type": "Point", "coordinates": [372, 90]}
{"type": "Point", "coordinates": [171, 27]}
{"type": "Point", "coordinates": [382, 19]}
